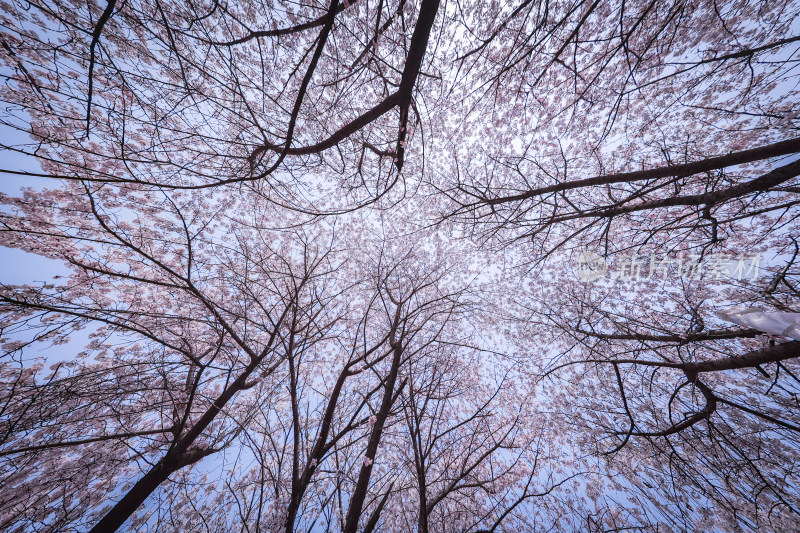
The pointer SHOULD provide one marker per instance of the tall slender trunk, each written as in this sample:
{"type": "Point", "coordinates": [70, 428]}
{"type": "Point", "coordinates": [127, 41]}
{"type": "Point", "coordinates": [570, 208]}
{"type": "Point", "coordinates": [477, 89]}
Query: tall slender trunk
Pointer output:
{"type": "Point", "coordinates": [142, 489]}
{"type": "Point", "coordinates": [178, 457]}
{"type": "Point", "coordinates": [133, 499]}
{"type": "Point", "coordinates": [422, 521]}
{"type": "Point", "coordinates": [360, 492]}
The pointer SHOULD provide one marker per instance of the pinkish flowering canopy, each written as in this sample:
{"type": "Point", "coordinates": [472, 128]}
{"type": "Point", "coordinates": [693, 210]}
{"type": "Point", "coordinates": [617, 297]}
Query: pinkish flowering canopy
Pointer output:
{"type": "Point", "coordinates": [399, 266]}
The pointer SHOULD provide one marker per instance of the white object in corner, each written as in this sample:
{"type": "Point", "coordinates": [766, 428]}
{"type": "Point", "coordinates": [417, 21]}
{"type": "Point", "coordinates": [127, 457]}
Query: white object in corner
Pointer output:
{"type": "Point", "coordinates": [773, 322]}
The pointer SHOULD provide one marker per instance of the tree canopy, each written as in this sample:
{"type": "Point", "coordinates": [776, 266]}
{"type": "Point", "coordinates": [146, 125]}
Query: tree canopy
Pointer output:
{"type": "Point", "coordinates": [395, 265]}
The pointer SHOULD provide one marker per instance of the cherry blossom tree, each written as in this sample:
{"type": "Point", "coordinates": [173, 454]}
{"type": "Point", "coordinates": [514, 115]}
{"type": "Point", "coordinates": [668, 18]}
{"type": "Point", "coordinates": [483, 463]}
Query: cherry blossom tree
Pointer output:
{"type": "Point", "coordinates": [172, 347]}
{"type": "Point", "coordinates": [121, 90]}
{"type": "Point", "coordinates": [688, 408]}
{"type": "Point", "coordinates": [610, 133]}
{"type": "Point", "coordinates": [614, 125]}
{"type": "Point", "coordinates": [316, 265]}
{"type": "Point", "coordinates": [294, 369]}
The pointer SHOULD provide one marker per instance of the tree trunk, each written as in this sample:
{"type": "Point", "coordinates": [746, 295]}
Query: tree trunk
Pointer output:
{"type": "Point", "coordinates": [360, 492]}
{"type": "Point", "coordinates": [174, 460]}
{"type": "Point", "coordinates": [142, 489]}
